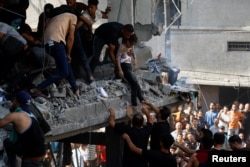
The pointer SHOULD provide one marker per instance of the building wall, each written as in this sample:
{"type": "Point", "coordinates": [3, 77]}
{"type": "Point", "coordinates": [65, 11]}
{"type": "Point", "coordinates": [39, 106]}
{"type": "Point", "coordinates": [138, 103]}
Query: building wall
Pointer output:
{"type": "Point", "coordinates": [199, 44]}
{"type": "Point", "coordinates": [206, 51]}
{"type": "Point", "coordinates": [215, 13]}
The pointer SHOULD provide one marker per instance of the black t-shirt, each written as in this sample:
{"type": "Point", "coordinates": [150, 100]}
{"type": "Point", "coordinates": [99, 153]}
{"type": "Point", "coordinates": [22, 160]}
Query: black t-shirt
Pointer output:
{"type": "Point", "coordinates": [157, 158]}
{"type": "Point", "coordinates": [110, 32]}
{"type": "Point", "coordinates": [159, 128]}
{"type": "Point", "coordinates": [139, 136]}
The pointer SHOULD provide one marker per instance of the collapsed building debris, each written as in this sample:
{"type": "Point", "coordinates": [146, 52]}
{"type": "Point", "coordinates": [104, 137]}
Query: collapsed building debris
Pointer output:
{"type": "Point", "coordinates": [65, 112]}
{"type": "Point", "coordinates": [66, 115]}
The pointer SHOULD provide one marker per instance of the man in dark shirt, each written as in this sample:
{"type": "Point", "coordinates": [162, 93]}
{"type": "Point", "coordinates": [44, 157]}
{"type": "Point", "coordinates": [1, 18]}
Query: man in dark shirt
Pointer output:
{"type": "Point", "coordinates": [139, 134]}
{"type": "Point", "coordinates": [109, 33]}
{"type": "Point", "coordinates": [29, 144]}
{"type": "Point", "coordinates": [160, 127]}
{"type": "Point", "coordinates": [156, 158]}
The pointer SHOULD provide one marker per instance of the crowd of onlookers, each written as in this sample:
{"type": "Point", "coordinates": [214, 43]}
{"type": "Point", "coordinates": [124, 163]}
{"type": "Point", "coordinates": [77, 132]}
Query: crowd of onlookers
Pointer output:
{"type": "Point", "coordinates": [187, 135]}
{"type": "Point", "coordinates": [230, 122]}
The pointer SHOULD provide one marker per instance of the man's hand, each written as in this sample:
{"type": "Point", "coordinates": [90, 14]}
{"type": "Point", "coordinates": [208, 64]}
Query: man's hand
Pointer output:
{"type": "Point", "coordinates": [112, 111]}
{"type": "Point", "coordinates": [144, 109]}
{"type": "Point", "coordinates": [112, 117]}
{"type": "Point", "coordinates": [121, 75]}
{"type": "Point", "coordinates": [69, 58]}
{"type": "Point", "coordinates": [125, 136]}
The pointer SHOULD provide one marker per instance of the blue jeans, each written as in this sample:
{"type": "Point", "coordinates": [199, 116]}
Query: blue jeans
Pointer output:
{"type": "Point", "coordinates": [79, 57]}
{"type": "Point", "coordinates": [58, 51]}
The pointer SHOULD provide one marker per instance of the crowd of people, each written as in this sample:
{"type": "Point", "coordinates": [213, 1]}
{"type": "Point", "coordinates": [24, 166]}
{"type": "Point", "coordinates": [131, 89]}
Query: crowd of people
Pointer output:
{"type": "Point", "coordinates": [186, 135]}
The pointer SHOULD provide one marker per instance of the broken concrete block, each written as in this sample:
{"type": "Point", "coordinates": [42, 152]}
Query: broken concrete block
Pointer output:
{"type": "Point", "coordinates": [165, 88]}
{"type": "Point", "coordinates": [102, 83]}
{"type": "Point", "coordinates": [151, 77]}
{"type": "Point", "coordinates": [105, 71]}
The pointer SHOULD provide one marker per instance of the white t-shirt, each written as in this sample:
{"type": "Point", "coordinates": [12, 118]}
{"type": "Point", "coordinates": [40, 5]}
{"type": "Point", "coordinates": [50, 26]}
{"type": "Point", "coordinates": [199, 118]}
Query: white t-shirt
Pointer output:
{"type": "Point", "coordinates": [97, 21]}
{"type": "Point", "coordinates": [226, 118]}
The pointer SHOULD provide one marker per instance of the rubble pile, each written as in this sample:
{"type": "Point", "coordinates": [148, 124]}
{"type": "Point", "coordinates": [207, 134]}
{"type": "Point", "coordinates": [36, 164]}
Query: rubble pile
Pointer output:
{"type": "Point", "coordinates": [65, 112]}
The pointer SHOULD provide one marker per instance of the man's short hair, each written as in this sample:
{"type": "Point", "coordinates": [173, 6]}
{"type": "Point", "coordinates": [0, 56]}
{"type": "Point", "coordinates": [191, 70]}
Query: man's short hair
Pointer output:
{"type": "Point", "coordinates": [235, 139]}
{"type": "Point", "coordinates": [222, 127]}
{"type": "Point", "coordinates": [165, 113]}
{"type": "Point", "coordinates": [128, 28]}
{"type": "Point", "coordinates": [219, 138]}
{"type": "Point", "coordinates": [207, 142]}
{"type": "Point", "coordinates": [93, 2]}
{"type": "Point", "coordinates": [206, 132]}
{"type": "Point", "coordinates": [137, 120]}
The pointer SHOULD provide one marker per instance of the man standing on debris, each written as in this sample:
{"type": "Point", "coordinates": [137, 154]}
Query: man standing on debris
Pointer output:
{"type": "Point", "coordinates": [109, 33]}
{"type": "Point", "coordinates": [27, 141]}
{"type": "Point", "coordinates": [58, 43]}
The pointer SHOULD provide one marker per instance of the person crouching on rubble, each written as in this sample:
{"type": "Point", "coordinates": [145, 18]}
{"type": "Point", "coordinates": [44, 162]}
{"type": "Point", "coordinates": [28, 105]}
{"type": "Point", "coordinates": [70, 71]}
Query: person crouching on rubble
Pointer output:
{"type": "Point", "coordinates": [124, 59]}
{"type": "Point", "coordinates": [27, 139]}
{"type": "Point", "coordinates": [59, 39]}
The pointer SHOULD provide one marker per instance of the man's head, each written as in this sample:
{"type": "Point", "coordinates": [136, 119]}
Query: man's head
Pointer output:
{"type": "Point", "coordinates": [178, 126]}
{"type": "Point", "coordinates": [219, 138]}
{"type": "Point", "coordinates": [206, 142]}
{"type": "Point", "coordinates": [137, 120]}
{"type": "Point", "coordinates": [22, 99]}
{"type": "Point", "coordinates": [222, 129]}
{"type": "Point", "coordinates": [127, 31]}
{"type": "Point", "coordinates": [235, 142]}
{"type": "Point", "coordinates": [92, 6]}
{"type": "Point", "coordinates": [216, 121]}
{"type": "Point", "coordinates": [71, 3]}
{"type": "Point", "coordinates": [163, 114]}
{"type": "Point", "coordinates": [47, 9]}
{"type": "Point", "coordinates": [205, 133]}
{"type": "Point", "coordinates": [200, 114]}
{"type": "Point", "coordinates": [212, 106]}
{"type": "Point", "coordinates": [166, 141]}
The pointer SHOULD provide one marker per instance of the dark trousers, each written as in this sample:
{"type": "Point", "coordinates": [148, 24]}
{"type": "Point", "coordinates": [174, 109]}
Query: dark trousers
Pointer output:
{"type": "Point", "coordinates": [58, 51]}
{"type": "Point", "coordinates": [98, 44]}
{"type": "Point", "coordinates": [12, 51]}
{"type": "Point", "coordinates": [12, 150]}
{"type": "Point", "coordinates": [135, 87]}
{"type": "Point", "coordinates": [79, 57]}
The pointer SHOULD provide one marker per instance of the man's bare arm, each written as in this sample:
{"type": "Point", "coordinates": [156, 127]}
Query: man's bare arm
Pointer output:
{"type": "Point", "coordinates": [6, 120]}
{"type": "Point", "coordinates": [152, 106]}
{"type": "Point", "coordinates": [131, 145]}
{"type": "Point", "coordinates": [185, 149]}
{"type": "Point", "coordinates": [112, 117]}
{"type": "Point", "coordinates": [146, 112]}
